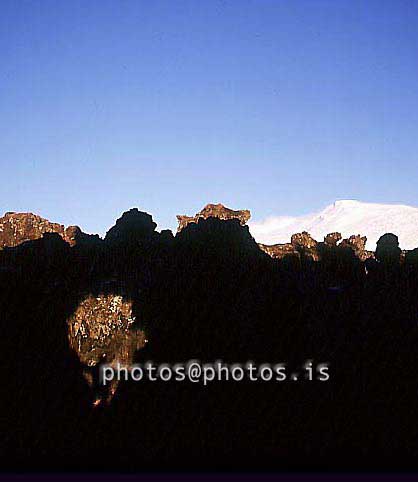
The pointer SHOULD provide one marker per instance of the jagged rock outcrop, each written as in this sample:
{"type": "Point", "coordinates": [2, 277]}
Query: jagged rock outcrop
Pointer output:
{"type": "Point", "coordinates": [358, 244]}
{"type": "Point", "coordinates": [303, 244]}
{"type": "Point", "coordinates": [279, 251]}
{"type": "Point", "coordinates": [16, 228]}
{"type": "Point", "coordinates": [332, 239]}
{"type": "Point", "coordinates": [214, 211]}
{"type": "Point", "coordinates": [304, 240]}
{"type": "Point", "coordinates": [100, 331]}
{"type": "Point", "coordinates": [306, 245]}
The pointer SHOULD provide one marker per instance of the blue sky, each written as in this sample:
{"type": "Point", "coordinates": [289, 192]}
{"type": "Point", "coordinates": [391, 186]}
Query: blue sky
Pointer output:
{"type": "Point", "coordinates": [277, 106]}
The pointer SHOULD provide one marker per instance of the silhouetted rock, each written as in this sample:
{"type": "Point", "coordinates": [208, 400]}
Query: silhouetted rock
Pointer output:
{"type": "Point", "coordinates": [387, 249]}
{"type": "Point", "coordinates": [411, 257]}
{"type": "Point", "coordinates": [76, 237]}
{"type": "Point", "coordinates": [133, 226]}
{"type": "Point", "coordinates": [166, 235]}
{"type": "Point", "coordinates": [214, 211]}
{"type": "Point", "coordinates": [214, 236]}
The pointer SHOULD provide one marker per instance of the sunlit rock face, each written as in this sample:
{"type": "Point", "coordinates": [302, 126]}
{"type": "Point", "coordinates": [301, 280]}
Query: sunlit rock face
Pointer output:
{"type": "Point", "coordinates": [280, 251]}
{"type": "Point", "coordinates": [306, 245]}
{"type": "Point", "coordinates": [214, 211]}
{"type": "Point", "coordinates": [16, 228]}
{"type": "Point", "coordinates": [332, 239]}
{"type": "Point", "coordinates": [302, 244]}
{"type": "Point", "coordinates": [358, 245]}
{"type": "Point", "coordinates": [100, 331]}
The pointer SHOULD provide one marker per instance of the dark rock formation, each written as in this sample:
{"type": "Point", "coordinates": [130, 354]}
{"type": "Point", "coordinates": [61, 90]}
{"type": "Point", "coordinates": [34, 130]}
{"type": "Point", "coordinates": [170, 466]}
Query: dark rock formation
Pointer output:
{"type": "Point", "coordinates": [214, 211]}
{"type": "Point", "coordinates": [387, 249]}
{"type": "Point", "coordinates": [209, 293]}
{"type": "Point", "coordinates": [411, 257]}
{"type": "Point", "coordinates": [132, 227]}
{"type": "Point", "coordinates": [16, 228]}
{"type": "Point", "coordinates": [75, 237]}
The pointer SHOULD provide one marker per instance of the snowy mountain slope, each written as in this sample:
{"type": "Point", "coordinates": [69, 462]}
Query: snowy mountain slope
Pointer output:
{"type": "Point", "coordinates": [347, 217]}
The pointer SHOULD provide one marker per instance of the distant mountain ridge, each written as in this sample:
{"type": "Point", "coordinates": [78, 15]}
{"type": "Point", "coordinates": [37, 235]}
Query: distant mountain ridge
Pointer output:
{"type": "Point", "coordinates": [347, 217]}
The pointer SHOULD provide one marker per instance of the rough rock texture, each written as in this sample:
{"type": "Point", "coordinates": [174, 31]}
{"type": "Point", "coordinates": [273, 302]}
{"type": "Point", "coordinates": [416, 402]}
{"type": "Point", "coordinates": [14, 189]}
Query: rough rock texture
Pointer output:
{"type": "Point", "coordinates": [16, 228]}
{"type": "Point", "coordinates": [306, 245]}
{"type": "Point", "coordinates": [332, 239]}
{"type": "Point", "coordinates": [304, 240]}
{"type": "Point", "coordinates": [358, 244]}
{"type": "Point", "coordinates": [279, 251]}
{"type": "Point", "coordinates": [214, 211]}
{"type": "Point", "coordinates": [302, 244]}
{"type": "Point", "coordinates": [100, 331]}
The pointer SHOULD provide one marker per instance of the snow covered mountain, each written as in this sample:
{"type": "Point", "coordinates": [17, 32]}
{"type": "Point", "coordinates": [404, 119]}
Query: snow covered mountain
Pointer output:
{"type": "Point", "coordinates": [347, 217]}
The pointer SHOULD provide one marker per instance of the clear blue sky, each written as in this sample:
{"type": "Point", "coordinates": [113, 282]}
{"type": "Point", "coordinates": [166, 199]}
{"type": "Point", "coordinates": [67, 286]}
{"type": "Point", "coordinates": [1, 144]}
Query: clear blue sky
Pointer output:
{"type": "Point", "coordinates": [277, 106]}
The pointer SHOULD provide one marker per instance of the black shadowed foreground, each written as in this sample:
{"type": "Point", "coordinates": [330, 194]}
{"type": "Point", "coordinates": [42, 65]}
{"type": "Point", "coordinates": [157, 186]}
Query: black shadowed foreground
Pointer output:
{"type": "Point", "coordinates": [70, 301]}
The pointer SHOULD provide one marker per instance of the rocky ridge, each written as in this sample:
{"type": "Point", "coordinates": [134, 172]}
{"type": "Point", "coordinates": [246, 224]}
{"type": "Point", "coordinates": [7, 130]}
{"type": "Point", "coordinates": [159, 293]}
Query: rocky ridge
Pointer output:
{"type": "Point", "coordinates": [217, 211]}
{"type": "Point", "coordinates": [16, 228]}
